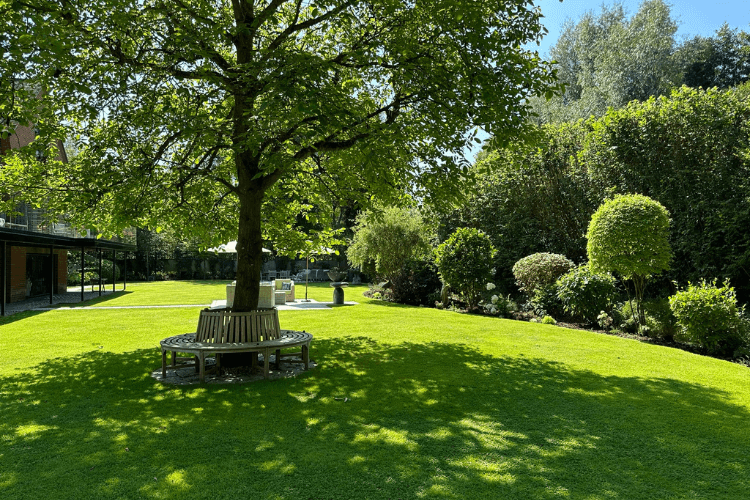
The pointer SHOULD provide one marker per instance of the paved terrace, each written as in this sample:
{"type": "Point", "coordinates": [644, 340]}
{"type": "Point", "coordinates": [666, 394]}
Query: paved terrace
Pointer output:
{"type": "Point", "coordinates": [60, 300]}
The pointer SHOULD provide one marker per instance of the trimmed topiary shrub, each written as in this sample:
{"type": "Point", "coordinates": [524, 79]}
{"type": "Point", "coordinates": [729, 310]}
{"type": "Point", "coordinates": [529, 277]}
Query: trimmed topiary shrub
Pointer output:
{"type": "Point", "coordinates": [709, 316]}
{"type": "Point", "coordinates": [629, 235]}
{"type": "Point", "coordinates": [417, 283]}
{"type": "Point", "coordinates": [585, 294]}
{"type": "Point", "coordinates": [538, 270]}
{"type": "Point", "coordinates": [465, 263]}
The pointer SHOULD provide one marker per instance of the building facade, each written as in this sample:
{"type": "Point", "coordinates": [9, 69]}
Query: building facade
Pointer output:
{"type": "Point", "coordinates": [34, 246]}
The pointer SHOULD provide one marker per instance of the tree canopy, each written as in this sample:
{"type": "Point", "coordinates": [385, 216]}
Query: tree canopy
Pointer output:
{"type": "Point", "coordinates": [722, 60]}
{"type": "Point", "coordinates": [232, 119]}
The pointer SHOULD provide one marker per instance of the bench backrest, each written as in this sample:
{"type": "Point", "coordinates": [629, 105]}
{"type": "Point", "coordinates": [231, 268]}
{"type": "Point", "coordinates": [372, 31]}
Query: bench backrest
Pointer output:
{"type": "Point", "coordinates": [222, 327]}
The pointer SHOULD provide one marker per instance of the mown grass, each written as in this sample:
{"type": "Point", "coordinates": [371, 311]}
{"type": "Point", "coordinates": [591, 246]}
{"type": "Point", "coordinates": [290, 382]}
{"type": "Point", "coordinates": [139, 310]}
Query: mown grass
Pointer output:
{"type": "Point", "coordinates": [440, 405]}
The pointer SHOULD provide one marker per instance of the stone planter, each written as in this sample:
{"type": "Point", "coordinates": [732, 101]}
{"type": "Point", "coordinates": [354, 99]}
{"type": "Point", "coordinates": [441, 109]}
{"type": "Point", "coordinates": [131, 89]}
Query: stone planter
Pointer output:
{"type": "Point", "coordinates": [336, 275]}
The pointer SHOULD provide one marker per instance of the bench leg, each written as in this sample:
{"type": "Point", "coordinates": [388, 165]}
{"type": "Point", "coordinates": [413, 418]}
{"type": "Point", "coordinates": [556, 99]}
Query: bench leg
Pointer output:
{"type": "Point", "coordinates": [202, 372]}
{"type": "Point", "coordinates": [278, 359]}
{"type": "Point", "coordinates": [197, 364]}
{"type": "Point", "coordinates": [306, 355]}
{"type": "Point", "coordinates": [164, 363]}
{"type": "Point", "coordinates": [266, 362]}
{"type": "Point", "coordinates": [174, 358]}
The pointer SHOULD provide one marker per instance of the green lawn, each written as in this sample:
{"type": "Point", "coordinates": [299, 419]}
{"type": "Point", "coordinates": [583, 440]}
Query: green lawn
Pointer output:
{"type": "Point", "coordinates": [441, 405]}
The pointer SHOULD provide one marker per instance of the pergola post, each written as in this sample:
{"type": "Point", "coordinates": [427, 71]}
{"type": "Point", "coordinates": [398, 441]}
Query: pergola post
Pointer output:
{"type": "Point", "coordinates": [83, 269]}
{"type": "Point", "coordinates": [3, 295]}
{"type": "Point", "coordinates": [100, 272]}
{"type": "Point", "coordinates": [125, 272]}
{"type": "Point", "coordinates": [114, 269]}
{"type": "Point", "coordinates": [51, 274]}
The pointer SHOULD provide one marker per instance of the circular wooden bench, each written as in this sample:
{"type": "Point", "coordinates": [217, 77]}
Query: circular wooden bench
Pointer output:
{"type": "Point", "coordinates": [221, 332]}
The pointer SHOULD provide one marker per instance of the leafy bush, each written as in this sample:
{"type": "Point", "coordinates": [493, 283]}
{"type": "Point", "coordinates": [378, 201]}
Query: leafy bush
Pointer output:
{"type": "Point", "coordinates": [545, 302]}
{"type": "Point", "coordinates": [465, 263]}
{"type": "Point", "coordinates": [90, 277]}
{"type": "Point", "coordinates": [417, 283]}
{"type": "Point", "coordinates": [585, 294]}
{"type": "Point", "coordinates": [709, 316]}
{"type": "Point", "coordinates": [660, 319]}
{"type": "Point", "coordinates": [539, 270]}
{"type": "Point", "coordinates": [498, 305]}
{"type": "Point", "coordinates": [548, 320]}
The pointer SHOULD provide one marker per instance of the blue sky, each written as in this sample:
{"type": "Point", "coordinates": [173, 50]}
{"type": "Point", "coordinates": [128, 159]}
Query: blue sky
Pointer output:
{"type": "Point", "coordinates": [694, 17]}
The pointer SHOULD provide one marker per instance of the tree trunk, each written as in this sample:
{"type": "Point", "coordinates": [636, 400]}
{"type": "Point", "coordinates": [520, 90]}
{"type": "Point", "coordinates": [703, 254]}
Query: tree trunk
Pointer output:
{"type": "Point", "coordinates": [249, 251]}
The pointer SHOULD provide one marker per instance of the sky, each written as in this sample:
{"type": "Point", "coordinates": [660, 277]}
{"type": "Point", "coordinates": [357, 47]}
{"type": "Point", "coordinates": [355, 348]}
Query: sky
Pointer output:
{"type": "Point", "coordinates": [694, 17]}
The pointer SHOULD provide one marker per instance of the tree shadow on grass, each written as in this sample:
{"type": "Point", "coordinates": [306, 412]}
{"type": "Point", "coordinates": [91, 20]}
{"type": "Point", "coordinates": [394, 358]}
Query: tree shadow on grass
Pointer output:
{"type": "Point", "coordinates": [6, 320]}
{"type": "Point", "coordinates": [95, 301]}
{"type": "Point", "coordinates": [373, 421]}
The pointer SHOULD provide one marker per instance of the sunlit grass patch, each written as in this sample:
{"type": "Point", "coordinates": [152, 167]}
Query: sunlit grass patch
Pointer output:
{"type": "Point", "coordinates": [405, 403]}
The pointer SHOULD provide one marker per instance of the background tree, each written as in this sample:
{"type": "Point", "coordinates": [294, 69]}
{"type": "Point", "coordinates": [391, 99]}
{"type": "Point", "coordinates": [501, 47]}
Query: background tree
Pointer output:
{"type": "Point", "coordinates": [210, 116]}
{"type": "Point", "coordinates": [385, 241]}
{"type": "Point", "coordinates": [607, 59]}
{"type": "Point", "coordinates": [629, 235]}
{"type": "Point", "coordinates": [722, 60]}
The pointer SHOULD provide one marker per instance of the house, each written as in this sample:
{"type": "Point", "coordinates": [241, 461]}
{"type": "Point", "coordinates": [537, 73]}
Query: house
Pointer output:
{"type": "Point", "coordinates": [34, 247]}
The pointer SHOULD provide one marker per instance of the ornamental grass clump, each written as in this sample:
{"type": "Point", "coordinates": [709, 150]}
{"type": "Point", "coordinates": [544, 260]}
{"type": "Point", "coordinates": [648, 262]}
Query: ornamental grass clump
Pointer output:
{"type": "Point", "coordinates": [708, 315]}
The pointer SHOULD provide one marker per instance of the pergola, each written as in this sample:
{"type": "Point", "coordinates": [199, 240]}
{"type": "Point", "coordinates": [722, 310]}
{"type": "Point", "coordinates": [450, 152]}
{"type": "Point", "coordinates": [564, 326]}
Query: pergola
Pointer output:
{"type": "Point", "coordinates": [12, 237]}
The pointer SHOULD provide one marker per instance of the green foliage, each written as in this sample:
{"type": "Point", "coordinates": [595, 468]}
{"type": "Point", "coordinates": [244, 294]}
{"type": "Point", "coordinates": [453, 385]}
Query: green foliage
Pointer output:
{"type": "Point", "coordinates": [708, 315]}
{"type": "Point", "coordinates": [499, 305]}
{"type": "Point", "coordinates": [607, 60]}
{"type": "Point", "coordinates": [384, 242]}
{"type": "Point", "coordinates": [531, 197]}
{"type": "Point", "coordinates": [539, 270]}
{"type": "Point", "coordinates": [585, 293]}
{"type": "Point", "coordinates": [660, 319]}
{"type": "Point", "coordinates": [691, 153]}
{"type": "Point", "coordinates": [545, 301]}
{"type": "Point", "coordinates": [234, 120]}
{"type": "Point", "coordinates": [722, 60]}
{"type": "Point", "coordinates": [416, 283]}
{"type": "Point", "coordinates": [465, 261]}
{"type": "Point", "coordinates": [629, 235]}
{"type": "Point", "coordinates": [548, 320]}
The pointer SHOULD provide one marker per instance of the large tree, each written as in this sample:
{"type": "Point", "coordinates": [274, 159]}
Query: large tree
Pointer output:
{"type": "Point", "coordinates": [229, 119]}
